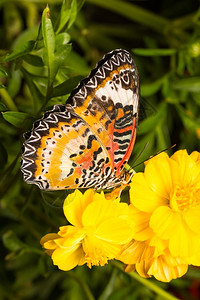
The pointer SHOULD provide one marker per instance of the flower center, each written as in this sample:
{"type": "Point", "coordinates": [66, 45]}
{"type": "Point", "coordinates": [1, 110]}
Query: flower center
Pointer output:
{"type": "Point", "coordinates": [95, 257]}
{"type": "Point", "coordinates": [185, 197]}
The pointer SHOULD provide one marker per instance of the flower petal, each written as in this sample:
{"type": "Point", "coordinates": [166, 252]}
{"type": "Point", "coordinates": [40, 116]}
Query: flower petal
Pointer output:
{"type": "Point", "coordinates": [164, 221]}
{"type": "Point", "coordinates": [67, 260]}
{"type": "Point", "coordinates": [115, 230]}
{"type": "Point", "coordinates": [48, 239]}
{"type": "Point", "coordinates": [188, 169]}
{"type": "Point", "coordinates": [163, 271]}
{"type": "Point", "coordinates": [100, 210]}
{"type": "Point", "coordinates": [159, 174]}
{"type": "Point", "coordinates": [142, 197]}
{"type": "Point", "coordinates": [140, 224]}
{"type": "Point", "coordinates": [75, 204]}
{"type": "Point", "coordinates": [192, 218]}
{"type": "Point", "coordinates": [135, 252]}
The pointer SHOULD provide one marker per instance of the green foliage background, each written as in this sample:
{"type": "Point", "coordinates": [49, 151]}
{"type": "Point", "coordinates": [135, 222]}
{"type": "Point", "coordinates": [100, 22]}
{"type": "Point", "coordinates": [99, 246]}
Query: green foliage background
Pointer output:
{"type": "Point", "coordinates": [42, 58]}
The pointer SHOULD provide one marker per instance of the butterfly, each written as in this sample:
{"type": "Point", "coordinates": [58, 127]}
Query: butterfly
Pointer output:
{"type": "Point", "coordinates": [87, 142]}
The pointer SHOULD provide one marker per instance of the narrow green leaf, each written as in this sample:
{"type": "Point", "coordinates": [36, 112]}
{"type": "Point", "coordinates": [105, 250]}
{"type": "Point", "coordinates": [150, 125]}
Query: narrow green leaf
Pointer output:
{"type": "Point", "coordinates": [35, 92]}
{"type": "Point", "coordinates": [190, 84]}
{"type": "Point", "coordinates": [19, 51]}
{"type": "Point", "coordinates": [66, 87]}
{"type": "Point", "coordinates": [2, 86]}
{"type": "Point", "coordinates": [12, 242]}
{"type": "Point", "coordinates": [190, 123]}
{"type": "Point", "coordinates": [153, 121]}
{"type": "Point", "coordinates": [154, 52]}
{"type": "Point", "coordinates": [49, 43]}
{"type": "Point", "coordinates": [3, 71]}
{"type": "Point", "coordinates": [16, 118]}
{"type": "Point", "coordinates": [73, 13]}
{"type": "Point", "coordinates": [64, 16]}
{"type": "Point", "coordinates": [134, 13]}
{"type": "Point", "coordinates": [149, 89]}
{"type": "Point", "coordinates": [3, 107]}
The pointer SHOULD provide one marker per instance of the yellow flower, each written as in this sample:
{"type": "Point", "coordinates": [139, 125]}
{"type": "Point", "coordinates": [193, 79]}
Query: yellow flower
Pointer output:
{"type": "Point", "coordinates": [165, 207]}
{"type": "Point", "coordinates": [99, 228]}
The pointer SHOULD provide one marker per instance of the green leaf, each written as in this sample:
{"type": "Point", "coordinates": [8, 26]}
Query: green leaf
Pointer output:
{"type": "Point", "coordinates": [64, 16]}
{"type": "Point", "coordinates": [66, 87]}
{"type": "Point", "coordinates": [190, 84]}
{"type": "Point", "coordinates": [149, 89]}
{"type": "Point", "coordinates": [62, 39]}
{"type": "Point", "coordinates": [77, 64]}
{"type": "Point", "coordinates": [35, 92]}
{"type": "Point", "coordinates": [2, 86]}
{"type": "Point", "coordinates": [154, 52]}
{"type": "Point", "coordinates": [19, 51]}
{"type": "Point", "coordinates": [49, 43]}
{"type": "Point", "coordinates": [73, 13]}
{"type": "Point", "coordinates": [16, 118]}
{"type": "Point", "coordinates": [67, 15]}
{"type": "Point", "coordinates": [3, 107]}
{"type": "Point", "coordinates": [33, 60]}
{"type": "Point", "coordinates": [150, 123]}
{"type": "Point", "coordinates": [4, 71]}
{"type": "Point", "coordinates": [62, 51]}
{"type": "Point", "coordinates": [134, 13]}
{"type": "Point", "coordinates": [190, 123]}
{"type": "Point", "coordinates": [12, 242]}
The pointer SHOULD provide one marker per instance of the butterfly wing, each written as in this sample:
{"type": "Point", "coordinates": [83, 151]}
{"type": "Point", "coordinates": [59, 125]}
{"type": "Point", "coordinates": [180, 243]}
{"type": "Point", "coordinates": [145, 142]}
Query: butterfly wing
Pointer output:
{"type": "Point", "coordinates": [62, 152]}
{"type": "Point", "coordinates": [108, 101]}
{"type": "Point", "coordinates": [90, 139]}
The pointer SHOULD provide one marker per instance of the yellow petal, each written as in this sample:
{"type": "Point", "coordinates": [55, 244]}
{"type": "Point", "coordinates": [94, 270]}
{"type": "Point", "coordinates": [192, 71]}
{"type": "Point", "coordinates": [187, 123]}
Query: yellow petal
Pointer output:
{"type": "Point", "coordinates": [135, 252]}
{"type": "Point", "coordinates": [67, 260]}
{"type": "Point", "coordinates": [192, 218]}
{"type": "Point", "coordinates": [195, 155]}
{"type": "Point", "coordinates": [164, 272]}
{"type": "Point", "coordinates": [140, 224]}
{"type": "Point", "coordinates": [129, 268]}
{"type": "Point", "coordinates": [73, 237]}
{"type": "Point", "coordinates": [159, 174]}
{"type": "Point", "coordinates": [73, 210]}
{"type": "Point", "coordinates": [48, 239]}
{"type": "Point", "coordinates": [188, 170]}
{"type": "Point", "coordinates": [97, 250]}
{"type": "Point", "coordinates": [142, 196]}
{"type": "Point", "coordinates": [143, 267]}
{"type": "Point", "coordinates": [164, 222]}
{"type": "Point", "coordinates": [100, 210]}
{"type": "Point", "coordinates": [115, 230]}
{"type": "Point", "coordinates": [183, 242]}
{"type": "Point", "coordinates": [195, 259]}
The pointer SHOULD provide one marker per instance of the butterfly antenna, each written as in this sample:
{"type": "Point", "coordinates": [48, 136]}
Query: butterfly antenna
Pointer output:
{"type": "Point", "coordinates": [168, 148]}
{"type": "Point", "coordinates": [140, 153]}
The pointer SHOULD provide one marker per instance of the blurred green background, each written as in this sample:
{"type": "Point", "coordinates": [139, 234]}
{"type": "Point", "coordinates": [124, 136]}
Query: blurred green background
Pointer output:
{"type": "Point", "coordinates": [41, 61]}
